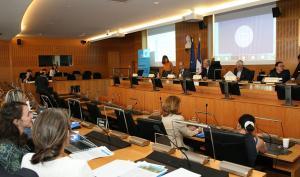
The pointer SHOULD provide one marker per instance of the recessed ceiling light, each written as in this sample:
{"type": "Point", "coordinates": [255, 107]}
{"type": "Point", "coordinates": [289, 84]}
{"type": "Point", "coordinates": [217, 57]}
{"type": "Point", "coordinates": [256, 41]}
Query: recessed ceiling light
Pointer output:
{"type": "Point", "coordinates": [156, 2]}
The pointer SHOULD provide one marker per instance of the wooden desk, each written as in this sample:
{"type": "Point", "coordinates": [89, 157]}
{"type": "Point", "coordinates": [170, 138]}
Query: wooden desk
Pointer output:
{"type": "Point", "coordinates": [135, 152]}
{"type": "Point", "coordinates": [94, 88]}
{"type": "Point", "coordinates": [258, 100]}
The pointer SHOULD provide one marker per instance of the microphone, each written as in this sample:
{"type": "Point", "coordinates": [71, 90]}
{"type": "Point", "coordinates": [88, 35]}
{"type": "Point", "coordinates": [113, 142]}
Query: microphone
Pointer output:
{"type": "Point", "coordinates": [206, 113]}
{"type": "Point", "coordinates": [160, 102]}
{"type": "Point", "coordinates": [181, 149]}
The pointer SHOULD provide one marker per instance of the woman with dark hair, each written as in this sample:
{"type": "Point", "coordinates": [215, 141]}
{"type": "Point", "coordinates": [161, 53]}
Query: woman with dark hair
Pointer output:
{"type": "Point", "coordinates": [167, 66]}
{"type": "Point", "coordinates": [50, 134]}
{"type": "Point", "coordinates": [280, 72]}
{"type": "Point", "coordinates": [247, 126]}
{"type": "Point", "coordinates": [14, 118]}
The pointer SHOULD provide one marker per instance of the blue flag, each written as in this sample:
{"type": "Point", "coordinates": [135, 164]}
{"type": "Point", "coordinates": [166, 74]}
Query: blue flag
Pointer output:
{"type": "Point", "coordinates": [199, 60]}
{"type": "Point", "coordinates": [192, 58]}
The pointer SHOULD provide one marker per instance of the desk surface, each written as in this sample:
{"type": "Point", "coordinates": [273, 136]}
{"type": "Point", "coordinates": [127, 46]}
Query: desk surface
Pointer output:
{"type": "Point", "coordinates": [135, 152]}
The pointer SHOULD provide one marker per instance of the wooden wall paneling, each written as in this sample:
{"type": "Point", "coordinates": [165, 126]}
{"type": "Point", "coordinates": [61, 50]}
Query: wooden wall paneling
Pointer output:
{"type": "Point", "coordinates": [113, 58]}
{"type": "Point", "coordinates": [291, 120]}
{"type": "Point", "coordinates": [4, 61]}
{"type": "Point", "coordinates": [192, 29]}
{"type": "Point", "coordinates": [200, 106]}
{"type": "Point", "coordinates": [271, 112]}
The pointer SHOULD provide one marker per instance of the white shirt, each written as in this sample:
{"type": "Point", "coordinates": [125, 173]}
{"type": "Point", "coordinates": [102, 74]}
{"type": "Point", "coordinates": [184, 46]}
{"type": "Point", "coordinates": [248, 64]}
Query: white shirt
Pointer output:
{"type": "Point", "coordinates": [51, 72]}
{"type": "Point", "coordinates": [62, 167]}
{"type": "Point", "coordinates": [239, 73]}
{"type": "Point", "coordinates": [176, 131]}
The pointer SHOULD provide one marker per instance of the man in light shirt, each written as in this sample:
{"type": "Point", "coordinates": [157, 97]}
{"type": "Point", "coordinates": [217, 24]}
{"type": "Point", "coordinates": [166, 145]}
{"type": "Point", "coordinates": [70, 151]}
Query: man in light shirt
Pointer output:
{"type": "Point", "coordinates": [242, 73]}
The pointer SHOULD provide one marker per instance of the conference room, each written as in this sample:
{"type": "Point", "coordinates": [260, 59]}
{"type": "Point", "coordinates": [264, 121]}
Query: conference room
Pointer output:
{"type": "Point", "coordinates": [117, 88]}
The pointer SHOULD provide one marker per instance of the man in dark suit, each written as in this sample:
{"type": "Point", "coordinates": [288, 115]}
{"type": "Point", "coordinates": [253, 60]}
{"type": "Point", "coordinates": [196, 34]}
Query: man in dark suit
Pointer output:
{"type": "Point", "coordinates": [41, 83]}
{"type": "Point", "coordinates": [297, 70]}
{"type": "Point", "coordinates": [207, 70]}
{"type": "Point", "coordinates": [242, 73]}
{"type": "Point", "coordinates": [280, 72]}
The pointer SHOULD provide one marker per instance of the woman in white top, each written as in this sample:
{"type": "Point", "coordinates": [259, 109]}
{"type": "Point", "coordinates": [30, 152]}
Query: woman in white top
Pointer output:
{"type": "Point", "coordinates": [50, 134]}
{"type": "Point", "coordinates": [176, 131]}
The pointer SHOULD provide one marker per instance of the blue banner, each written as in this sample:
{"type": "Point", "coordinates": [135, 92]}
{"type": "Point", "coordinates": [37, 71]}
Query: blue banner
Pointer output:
{"type": "Point", "coordinates": [144, 61]}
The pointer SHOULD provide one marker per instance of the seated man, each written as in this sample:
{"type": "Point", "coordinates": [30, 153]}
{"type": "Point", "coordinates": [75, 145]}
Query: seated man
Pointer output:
{"type": "Point", "coordinates": [207, 70]}
{"type": "Point", "coordinates": [242, 73]}
{"type": "Point", "coordinates": [280, 72]}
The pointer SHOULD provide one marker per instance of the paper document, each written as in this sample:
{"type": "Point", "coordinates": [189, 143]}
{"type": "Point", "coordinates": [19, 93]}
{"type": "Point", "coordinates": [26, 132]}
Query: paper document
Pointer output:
{"type": "Point", "coordinates": [182, 172]}
{"type": "Point", "coordinates": [114, 168]}
{"type": "Point", "coordinates": [123, 168]}
{"type": "Point", "coordinates": [92, 153]}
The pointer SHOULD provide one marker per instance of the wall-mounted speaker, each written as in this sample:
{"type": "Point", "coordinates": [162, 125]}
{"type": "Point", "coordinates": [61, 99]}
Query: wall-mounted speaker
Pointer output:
{"type": "Point", "coordinates": [83, 42]}
{"type": "Point", "coordinates": [202, 25]}
{"type": "Point", "coordinates": [276, 12]}
{"type": "Point", "coordinates": [19, 41]}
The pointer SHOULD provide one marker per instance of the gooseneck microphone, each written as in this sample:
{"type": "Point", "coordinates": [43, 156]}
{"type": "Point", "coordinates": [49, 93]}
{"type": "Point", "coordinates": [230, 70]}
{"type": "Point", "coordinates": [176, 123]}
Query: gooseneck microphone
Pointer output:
{"type": "Point", "coordinates": [181, 149]}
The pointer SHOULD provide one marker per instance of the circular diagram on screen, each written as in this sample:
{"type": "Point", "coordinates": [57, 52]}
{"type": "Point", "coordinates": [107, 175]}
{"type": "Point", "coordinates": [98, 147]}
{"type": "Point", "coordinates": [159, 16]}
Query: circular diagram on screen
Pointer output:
{"type": "Point", "coordinates": [243, 36]}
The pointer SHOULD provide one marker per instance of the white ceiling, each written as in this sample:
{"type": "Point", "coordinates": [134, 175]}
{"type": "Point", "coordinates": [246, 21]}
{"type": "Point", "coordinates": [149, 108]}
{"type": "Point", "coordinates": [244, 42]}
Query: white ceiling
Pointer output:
{"type": "Point", "coordinates": [83, 18]}
{"type": "Point", "coordinates": [86, 18]}
{"type": "Point", "coordinates": [11, 14]}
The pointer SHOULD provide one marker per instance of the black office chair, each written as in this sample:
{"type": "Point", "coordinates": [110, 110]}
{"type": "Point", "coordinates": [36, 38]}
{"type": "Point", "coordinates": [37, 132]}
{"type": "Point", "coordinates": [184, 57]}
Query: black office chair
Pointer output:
{"type": "Point", "coordinates": [252, 74]}
{"type": "Point", "coordinates": [71, 77]}
{"type": "Point", "coordinates": [97, 75]}
{"type": "Point", "coordinates": [86, 75]}
{"type": "Point", "coordinates": [75, 108]}
{"type": "Point", "coordinates": [76, 72]}
{"type": "Point", "coordinates": [148, 127]}
{"type": "Point", "coordinates": [94, 113]}
{"type": "Point", "coordinates": [58, 74]}
{"type": "Point", "coordinates": [22, 76]}
{"type": "Point", "coordinates": [126, 123]}
{"type": "Point", "coordinates": [230, 146]}
{"type": "Point", "coordinates": [46, 101]}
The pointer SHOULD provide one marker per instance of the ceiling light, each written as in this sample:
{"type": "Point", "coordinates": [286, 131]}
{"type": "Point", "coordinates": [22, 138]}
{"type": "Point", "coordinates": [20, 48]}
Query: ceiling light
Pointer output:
{"type": "Point", "coordinates": [230, 6]}
{"type": "Point", "coordinates": [192, 17]}
{"type": "Point", "coordinates": [156, 2]}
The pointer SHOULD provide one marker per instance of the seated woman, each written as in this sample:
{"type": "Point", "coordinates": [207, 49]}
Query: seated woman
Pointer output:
{"type": "Point", "coordinates": [50, 134]}
{"type": "Point", "coordinates": [14, 118]}
{"type": "Point", "coordinates": [176, 131]}
{"type": "Point", "coordinates": [246, 126]}
{"type": "Point", "coordinates": [15, 95]}
{"type": "Point", "coordinates": [167, 66]}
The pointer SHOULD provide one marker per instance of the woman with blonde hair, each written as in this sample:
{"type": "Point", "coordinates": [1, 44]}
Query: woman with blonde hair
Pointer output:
{"type": "Point", "coordinates": [50, 134]}
{"type": "Point", "coordinates": [170, 113]}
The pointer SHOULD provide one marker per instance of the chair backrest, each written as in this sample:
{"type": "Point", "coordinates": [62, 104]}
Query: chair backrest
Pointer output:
{"type": "Point", "coordinates": [71, 77]}
{"type": "Point", "coordinates": [87, 72]}
{"type": "Point", "coordinates": [22, 76]}
{"type": "Point", "coordinates": [125, 122]}
{"type": "Point", "coordinates": [86, 76]}
{"type": "Point", "coordinates": [46, 101]}
{"type": "Point", "coordinates": [97, 75]}
{"type": "Point", "coordinates": [148, 127]}
{"type": "Point", "coordinates": [231, 146]}
{"type": "Point", "coordinates": [76, 72]}
{"type": "Point", "coordinates": [75, 108]}
{"type": "Point", "coordinates": [252, 74]}
{"type": "Point", "coordinates": [94, 112]}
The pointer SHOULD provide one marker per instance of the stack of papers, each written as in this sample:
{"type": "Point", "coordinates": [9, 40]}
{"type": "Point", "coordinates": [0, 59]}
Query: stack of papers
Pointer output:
{"type": "Point", "coordinates": [123, 168]}
{"type": "Point", "coordinates": [92, 153]}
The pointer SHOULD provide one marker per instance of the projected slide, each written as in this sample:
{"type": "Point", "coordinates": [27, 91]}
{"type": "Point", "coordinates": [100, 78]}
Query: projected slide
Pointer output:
{"type": "Point", "coordinates": [162, 41]}
{"type": "Point", "coordinates": [252, 39]}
